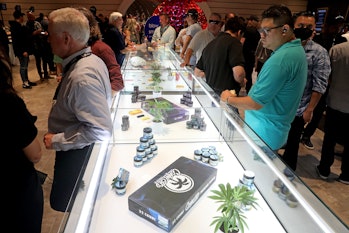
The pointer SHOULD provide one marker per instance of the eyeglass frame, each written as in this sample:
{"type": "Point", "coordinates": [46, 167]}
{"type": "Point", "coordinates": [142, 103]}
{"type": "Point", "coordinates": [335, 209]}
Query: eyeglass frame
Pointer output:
{"type": "Point", "coordinates": [266, 31]}
{"type": "Point", "coordinates": [212, 21]}
{"type": "Point", "coordinates": [309, 26]}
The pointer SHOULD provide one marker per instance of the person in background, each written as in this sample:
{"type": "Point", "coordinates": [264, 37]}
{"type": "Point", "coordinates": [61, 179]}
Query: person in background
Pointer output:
{"type": "Point", "coordinates": [114, 36]}
{"type": "Point", "coordinates": [181, 37]}
{"type": "Point", "coordinates": [103, 23]}
{"type": "Point", "coordinates": [272, 101]}
{"type": "Point", "coordinates": [319, 69]}
{"type": "Point", "coordinates": [202, 38]}
{"type": "Point", "coordinates": [4, 39]}
{"type": "Point", "coordinates": [58, 62]}
{"type": "Point", "coordinates": [227, 16]}
{"type": "Point", "coordinates": [48, 55]}
{"type": "Point", "coordinates": [103, 51]}
{"type": "Point", "coordinates": [310, 129]}
{"type": "Point", "coordinates": [250, 41]}
{"type": "Point", "coordinates": [80, 114]}
{"type": "Point", "coordinates": [222, 61]}
{"type": "Point", "coordinates": [40, 18]}
{"type": "Point", "coordinates": [337, 114]}
{"type": "Point", "coordinates": [19, 144]}
{"type": "Point", "coordinates": [102, 26]}
{"type": "Point", "coordinates": [165, 33]}
{"type": "Point", "coordinates": [37, 45]}
{"type": "Point", "coordinates": [21, 45]}
{"type": "Point", "coordinates": [131, 31]}
{"type": "Point", "coordinates": [193, 27]}
{"type": "Point", "coordinates": [339, 26]}
{"type": "Point", "coordinates": [261, 56]}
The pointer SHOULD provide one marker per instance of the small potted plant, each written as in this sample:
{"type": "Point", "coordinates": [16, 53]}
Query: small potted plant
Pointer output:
{"type": "Point", "coordinates": [156, 78]}
{"type": "Point", "coordinates": [232, 202]}
{"type": "Point", "coordinates": [156, 107]}
{"type": "Point", "coordinates": [169, 74]}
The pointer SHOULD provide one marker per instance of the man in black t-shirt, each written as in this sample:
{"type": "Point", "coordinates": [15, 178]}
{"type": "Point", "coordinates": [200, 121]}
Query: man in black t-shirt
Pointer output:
{"type": "Point", "coordinates": [222, 61]}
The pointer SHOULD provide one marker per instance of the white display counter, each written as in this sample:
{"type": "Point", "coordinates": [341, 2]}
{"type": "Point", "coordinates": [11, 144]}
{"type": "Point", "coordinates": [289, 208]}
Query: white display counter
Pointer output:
{"type": "Point", "coordinates": [98, 209]}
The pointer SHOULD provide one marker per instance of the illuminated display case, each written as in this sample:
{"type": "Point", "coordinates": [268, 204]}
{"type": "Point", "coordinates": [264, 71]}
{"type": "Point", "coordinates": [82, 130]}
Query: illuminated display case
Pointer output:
{"type": "Point", "coordinates": [286, 204]}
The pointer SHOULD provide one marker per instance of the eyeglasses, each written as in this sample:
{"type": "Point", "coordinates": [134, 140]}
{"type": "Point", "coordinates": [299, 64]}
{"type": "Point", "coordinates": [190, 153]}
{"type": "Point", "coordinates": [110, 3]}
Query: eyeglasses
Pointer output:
{"type": "Point", "coordinates": [309, 26]}
{"type": "Point", "coordinates": [214, 21]}
{"type": "Point", "coordinates": [266, 31]}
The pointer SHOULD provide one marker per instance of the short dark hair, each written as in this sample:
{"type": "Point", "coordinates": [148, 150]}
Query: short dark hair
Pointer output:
{"type": "Point", "coordinates": [304, 13]}
{"type": "Point", "coordinates": [18, 14]}
{"type": "Point", "coordinates": [229, 15]}
{"type": "Point", "coordinates": [280, 13]}
{"type": "Point", "coordinates": [217, 14]}
{"type": "Point", "coordinates": [235, 24]}
{"type": "Point", "coordinates": [93, 9]}
{"type": "Point", "coordinates": [193, 13]}
{"type": "Point", "coordinates": [164, 14]}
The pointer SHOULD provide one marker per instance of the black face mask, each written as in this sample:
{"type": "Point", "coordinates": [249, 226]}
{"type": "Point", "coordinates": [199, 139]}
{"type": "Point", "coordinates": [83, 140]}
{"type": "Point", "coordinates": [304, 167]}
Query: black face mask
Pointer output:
{"type": "Point", "coordinates": [303, 33]}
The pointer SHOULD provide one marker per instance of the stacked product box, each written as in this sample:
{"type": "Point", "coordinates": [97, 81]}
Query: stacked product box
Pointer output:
{"type": "Point", "coordinates": [166, 198]}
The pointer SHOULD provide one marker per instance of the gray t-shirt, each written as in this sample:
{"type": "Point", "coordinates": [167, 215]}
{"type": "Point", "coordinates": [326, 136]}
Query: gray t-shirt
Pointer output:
{"type": "Point", "coordinates": [199, 42]}
{"type": "Point", "coordinates": [191, 31]}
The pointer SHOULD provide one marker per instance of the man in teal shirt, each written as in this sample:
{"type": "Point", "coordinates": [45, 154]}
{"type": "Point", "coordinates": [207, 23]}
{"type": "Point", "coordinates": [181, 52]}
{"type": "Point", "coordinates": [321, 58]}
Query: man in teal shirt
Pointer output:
{"type": "Point", "coordinates": [272, 102]}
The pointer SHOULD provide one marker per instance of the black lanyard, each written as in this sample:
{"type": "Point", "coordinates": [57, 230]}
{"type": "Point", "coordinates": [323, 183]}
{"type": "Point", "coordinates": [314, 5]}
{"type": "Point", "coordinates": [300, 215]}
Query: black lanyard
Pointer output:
{"type": "Point", "coordinates": [66, 68]}
{"type": "Point", "coordinates": [162, 30]}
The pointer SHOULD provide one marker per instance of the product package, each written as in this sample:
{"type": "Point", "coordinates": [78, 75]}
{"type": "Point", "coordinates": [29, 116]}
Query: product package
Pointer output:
{"type": "Point", "coordinates": [170, 112]}
{"type": "Point", "coordinates": [166, 198]}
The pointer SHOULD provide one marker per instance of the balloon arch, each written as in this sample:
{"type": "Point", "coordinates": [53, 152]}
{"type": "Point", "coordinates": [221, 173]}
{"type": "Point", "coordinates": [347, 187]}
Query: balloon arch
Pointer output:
{"type": "Point", "coordinates": [177, 9]}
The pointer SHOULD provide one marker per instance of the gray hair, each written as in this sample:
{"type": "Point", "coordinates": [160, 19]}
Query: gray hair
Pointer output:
{"type": "Point", "coordinates": [114, 16]}
{"type": "Point", "coordinates": [72, 21]}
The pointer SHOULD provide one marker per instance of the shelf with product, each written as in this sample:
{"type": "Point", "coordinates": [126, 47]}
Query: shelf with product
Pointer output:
{"type": "Point", "coordinates": [285, 203]}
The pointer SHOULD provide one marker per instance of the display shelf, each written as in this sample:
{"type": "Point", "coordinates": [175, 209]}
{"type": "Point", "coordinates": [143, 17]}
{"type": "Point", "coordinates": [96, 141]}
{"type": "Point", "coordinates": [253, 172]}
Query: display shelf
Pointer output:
{"type": "Point", "coordinates": [111, 211]}
{"type": "Point", "coordinates": [97, 208]}
{"type": "Point", "coordinates": [172, 81]}
{"type": "Point", "coordinates": [175, 132]}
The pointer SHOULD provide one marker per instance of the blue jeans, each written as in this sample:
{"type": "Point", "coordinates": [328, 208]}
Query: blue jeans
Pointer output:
{"type": "Point", "coordinates": [23, 68]}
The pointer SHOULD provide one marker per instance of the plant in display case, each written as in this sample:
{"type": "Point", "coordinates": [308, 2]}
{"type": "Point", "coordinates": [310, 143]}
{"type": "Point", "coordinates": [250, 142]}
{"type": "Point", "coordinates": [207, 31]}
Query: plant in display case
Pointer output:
{"type": "Point", "coordinates": [232, 202]}
{"type": "Point", "coordinates": [169, 74]}
{"type": "Point", "coordinates": [156, 107]}
{"type": "Point", "coordinates": [156, 77]}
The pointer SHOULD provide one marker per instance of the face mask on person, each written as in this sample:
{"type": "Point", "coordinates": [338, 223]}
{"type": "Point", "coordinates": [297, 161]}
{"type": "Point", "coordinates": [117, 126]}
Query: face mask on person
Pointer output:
{"type": "Point", "coordinates": [303, 33]}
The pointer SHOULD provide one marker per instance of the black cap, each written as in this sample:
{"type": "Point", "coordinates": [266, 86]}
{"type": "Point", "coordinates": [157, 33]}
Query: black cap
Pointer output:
{"type": "Point", "coordinates": [339, 18]}
{"type": "Point", "coordinates": [18, 14]}
{"type": "Point", "coordinates": [193, 12]}
{"type": "Point", "coordinates": [253, 17]}
{"type": "Point", "coordinates": [93, 9]}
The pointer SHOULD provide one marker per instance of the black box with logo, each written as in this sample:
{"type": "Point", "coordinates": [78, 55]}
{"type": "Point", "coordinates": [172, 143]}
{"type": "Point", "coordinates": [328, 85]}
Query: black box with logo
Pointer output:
{"type": "Point", "coordinates": [166, 198]}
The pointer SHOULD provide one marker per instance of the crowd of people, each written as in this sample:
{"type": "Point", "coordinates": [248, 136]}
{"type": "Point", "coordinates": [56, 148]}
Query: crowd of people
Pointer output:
{"type": "Point", "coordinates": [294, 74]}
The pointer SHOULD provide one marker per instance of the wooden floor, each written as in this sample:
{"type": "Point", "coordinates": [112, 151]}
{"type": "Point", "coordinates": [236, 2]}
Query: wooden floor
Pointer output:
{"type": "Point", "coordinates": [39, 100]}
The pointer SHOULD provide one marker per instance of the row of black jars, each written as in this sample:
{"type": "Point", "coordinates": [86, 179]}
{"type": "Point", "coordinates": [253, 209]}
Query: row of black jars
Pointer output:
{"type": "Point", "coordinates": [146, 149]}
{"type": "Point", "coordinates": [207, 155]}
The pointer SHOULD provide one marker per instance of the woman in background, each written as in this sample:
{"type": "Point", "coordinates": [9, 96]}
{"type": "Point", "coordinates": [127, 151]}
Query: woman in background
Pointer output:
{"type": "Point", "coordinates": [103, 51]}
{"type": "Point", "coordinates": [20, 149]}
{"type": "Point", "coordinates": [132, 32]}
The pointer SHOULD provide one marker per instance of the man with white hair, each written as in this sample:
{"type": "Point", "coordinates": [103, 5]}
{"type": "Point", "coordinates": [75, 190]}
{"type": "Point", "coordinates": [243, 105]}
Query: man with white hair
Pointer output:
{"type": "Point", "coordinates": [114, 36]}
{"type": "Point", "coordinates": [80, 115]}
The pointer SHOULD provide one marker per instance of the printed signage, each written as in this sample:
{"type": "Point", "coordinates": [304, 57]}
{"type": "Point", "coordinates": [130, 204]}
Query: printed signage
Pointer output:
{"type": "Point", "coordinates": [149, 28]}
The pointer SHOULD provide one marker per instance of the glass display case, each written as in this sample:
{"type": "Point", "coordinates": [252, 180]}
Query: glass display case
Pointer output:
{"type": "Point", "coordinates": [192, 118]}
